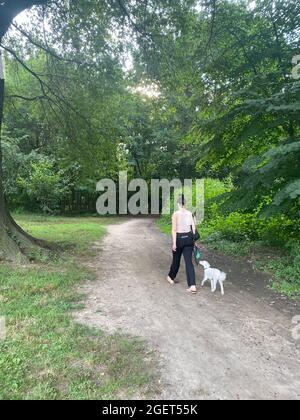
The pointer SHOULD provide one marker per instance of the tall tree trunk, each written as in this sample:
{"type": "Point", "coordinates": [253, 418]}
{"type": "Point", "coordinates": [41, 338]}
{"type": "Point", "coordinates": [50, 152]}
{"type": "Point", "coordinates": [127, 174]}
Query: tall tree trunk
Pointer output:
{"type": "Point", "coordinates": [15, 244]}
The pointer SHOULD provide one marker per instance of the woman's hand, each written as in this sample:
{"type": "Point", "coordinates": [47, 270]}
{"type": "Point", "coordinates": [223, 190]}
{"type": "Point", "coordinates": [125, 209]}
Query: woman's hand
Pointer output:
{"type": "Point", "coordinates": [174, 248]}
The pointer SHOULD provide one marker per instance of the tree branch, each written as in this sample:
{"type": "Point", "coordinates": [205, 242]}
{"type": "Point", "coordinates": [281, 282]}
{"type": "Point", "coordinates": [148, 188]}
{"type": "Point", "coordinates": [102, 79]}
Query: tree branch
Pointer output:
{"type": "Point", "coordinates": [137, 28]}
{"type": "Point", "coordinates": [59, 101]}
{"type": "Point", "coordinates": [24, 98]}
{"type": "Point", "coordinates": [47, 49]}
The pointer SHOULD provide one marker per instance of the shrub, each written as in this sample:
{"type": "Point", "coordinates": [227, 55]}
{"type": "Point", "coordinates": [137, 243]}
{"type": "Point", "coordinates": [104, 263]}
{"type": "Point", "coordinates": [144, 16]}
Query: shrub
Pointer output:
{"type": "Point", "coordinates": [278, 231]}
{"type": "Point", "coordinates": [44, 186]}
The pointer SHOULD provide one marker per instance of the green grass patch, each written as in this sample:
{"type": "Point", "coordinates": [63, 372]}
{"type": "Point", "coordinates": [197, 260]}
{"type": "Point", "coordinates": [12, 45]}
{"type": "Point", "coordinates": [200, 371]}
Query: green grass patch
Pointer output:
{"type": "Point", "coordinates": [285, 271]}
{"type": "Point", "coordinates": [46, 354]}
{"type": "Point", "coordinates": [165, 225]}
{"type": "Point", "coordinates": [66, 232]}
{"type": "Point", "coordinates": [278, 263]}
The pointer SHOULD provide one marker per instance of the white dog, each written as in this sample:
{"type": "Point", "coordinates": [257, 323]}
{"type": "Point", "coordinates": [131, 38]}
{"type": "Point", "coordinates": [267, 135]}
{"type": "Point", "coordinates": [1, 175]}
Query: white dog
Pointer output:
{"type": "Point", "coordinates": [214, 275]}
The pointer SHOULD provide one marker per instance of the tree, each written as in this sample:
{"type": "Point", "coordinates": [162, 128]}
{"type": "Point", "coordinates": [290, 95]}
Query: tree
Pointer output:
{"type": "Point", "coordinates": [74, 21]}
{"type": "Point", "coordinates": [227, 75]}
{"type": "Point", "coordinates": [14, 241]}
{"type": "Point", "coordinates": [79, 25]}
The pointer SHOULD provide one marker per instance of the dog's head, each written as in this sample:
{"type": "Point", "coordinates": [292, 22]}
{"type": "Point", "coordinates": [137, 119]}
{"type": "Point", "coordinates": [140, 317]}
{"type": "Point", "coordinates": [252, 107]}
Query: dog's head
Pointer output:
{"type": "Point", "coordinates": [205, 264]}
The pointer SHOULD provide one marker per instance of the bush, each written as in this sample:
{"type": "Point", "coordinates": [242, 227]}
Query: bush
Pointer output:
{"type": "Point", "coordinates": [278, 231]}
{"type": "Point", "coordinates": [286, 270]}
{"type": "Point", "coordinates": [238, 227]}
{"type": "Point", "coordinates": [235, 227]}
{"type": "Point", "coordinates": [45, 186]}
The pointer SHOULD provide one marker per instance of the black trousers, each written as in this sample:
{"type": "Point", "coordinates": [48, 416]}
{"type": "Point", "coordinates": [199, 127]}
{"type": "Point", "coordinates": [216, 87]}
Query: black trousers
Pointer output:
{"type": "Point", "coordinates": [187, 252]}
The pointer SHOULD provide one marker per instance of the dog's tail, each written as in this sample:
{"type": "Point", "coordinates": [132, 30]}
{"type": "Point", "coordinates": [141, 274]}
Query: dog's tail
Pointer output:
{"type": "Point", "coordinates": [223, 277]}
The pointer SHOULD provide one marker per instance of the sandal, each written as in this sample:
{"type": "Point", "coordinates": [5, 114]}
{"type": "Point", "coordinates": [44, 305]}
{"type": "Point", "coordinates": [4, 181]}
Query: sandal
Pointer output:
{"type": "Point", "coordinates": [193, 291]}
{"type": "Point", "coordinates": [170, 281]}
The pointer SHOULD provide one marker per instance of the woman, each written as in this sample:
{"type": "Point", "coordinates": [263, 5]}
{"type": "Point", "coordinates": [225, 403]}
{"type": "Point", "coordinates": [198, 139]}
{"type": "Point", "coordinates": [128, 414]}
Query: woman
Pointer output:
{"type": "Point", "coordinates": [183, 230]}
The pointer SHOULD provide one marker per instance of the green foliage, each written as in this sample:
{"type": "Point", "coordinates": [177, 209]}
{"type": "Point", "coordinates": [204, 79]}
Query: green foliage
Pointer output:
{"type": "Point", "coordinates": [226, 108]}
{"type": "Point", "coordinates": [273, 175]}
{"type": "Point", "coordinates": [285, 269]}
{"type": "Point", "coordinates": [230, 88]}
{"type": "Point", "coordinates": [14, 163]}
{"type": "Point", "coordinates": [44, 186]}
{"type": "Point", "coordinates": [73, 122]}
{"type": "Point", "coordinates": [257, 237]}
{"type": "Point", "coordinates": [237, 226]}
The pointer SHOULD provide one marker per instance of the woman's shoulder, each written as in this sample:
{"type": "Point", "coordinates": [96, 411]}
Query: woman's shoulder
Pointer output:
{"type": "Point", "coordinates": [190, 216]}
{"type": "Point", "coordinates": [188, 212]}
{"type": "Point", "coordinates": [177, 214]}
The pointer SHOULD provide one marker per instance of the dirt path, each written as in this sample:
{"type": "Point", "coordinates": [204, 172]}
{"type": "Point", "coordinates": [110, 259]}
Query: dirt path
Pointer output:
{"type": "Point", "coordinates": [236, 347]}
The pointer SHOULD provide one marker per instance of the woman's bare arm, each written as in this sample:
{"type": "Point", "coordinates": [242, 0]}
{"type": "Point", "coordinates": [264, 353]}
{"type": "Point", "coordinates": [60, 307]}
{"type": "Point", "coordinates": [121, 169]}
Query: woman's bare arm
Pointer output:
{"type": "Point", "coordinates": [174, 232]}
{"type": "Point", "coordinates": [194, 224]}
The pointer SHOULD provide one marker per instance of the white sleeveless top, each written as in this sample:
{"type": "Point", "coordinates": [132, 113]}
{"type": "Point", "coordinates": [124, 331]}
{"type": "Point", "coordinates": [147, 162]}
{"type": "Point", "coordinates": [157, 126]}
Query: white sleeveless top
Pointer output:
{"type": "Point", "coordinates": [184, 221]}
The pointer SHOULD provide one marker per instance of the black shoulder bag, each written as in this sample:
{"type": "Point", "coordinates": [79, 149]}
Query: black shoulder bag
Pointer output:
{"type": "Point", "coordinates": [196, 235]}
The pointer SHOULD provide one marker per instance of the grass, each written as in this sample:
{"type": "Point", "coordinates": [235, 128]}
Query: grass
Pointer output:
{"type": "Point", "coordinates": [164, 227]}
{"type": "Point", "coordinates": [277, 262]}
{"type": "Point", "coordinates": [46, 355]}
{"type": "Point", "coordinates": [66, 232]}
{"type": "Point", "coordinates": [285, 273]}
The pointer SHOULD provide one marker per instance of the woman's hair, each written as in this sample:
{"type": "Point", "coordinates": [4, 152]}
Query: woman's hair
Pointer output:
{"type": "Point", "coordinates": [181, 200]}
